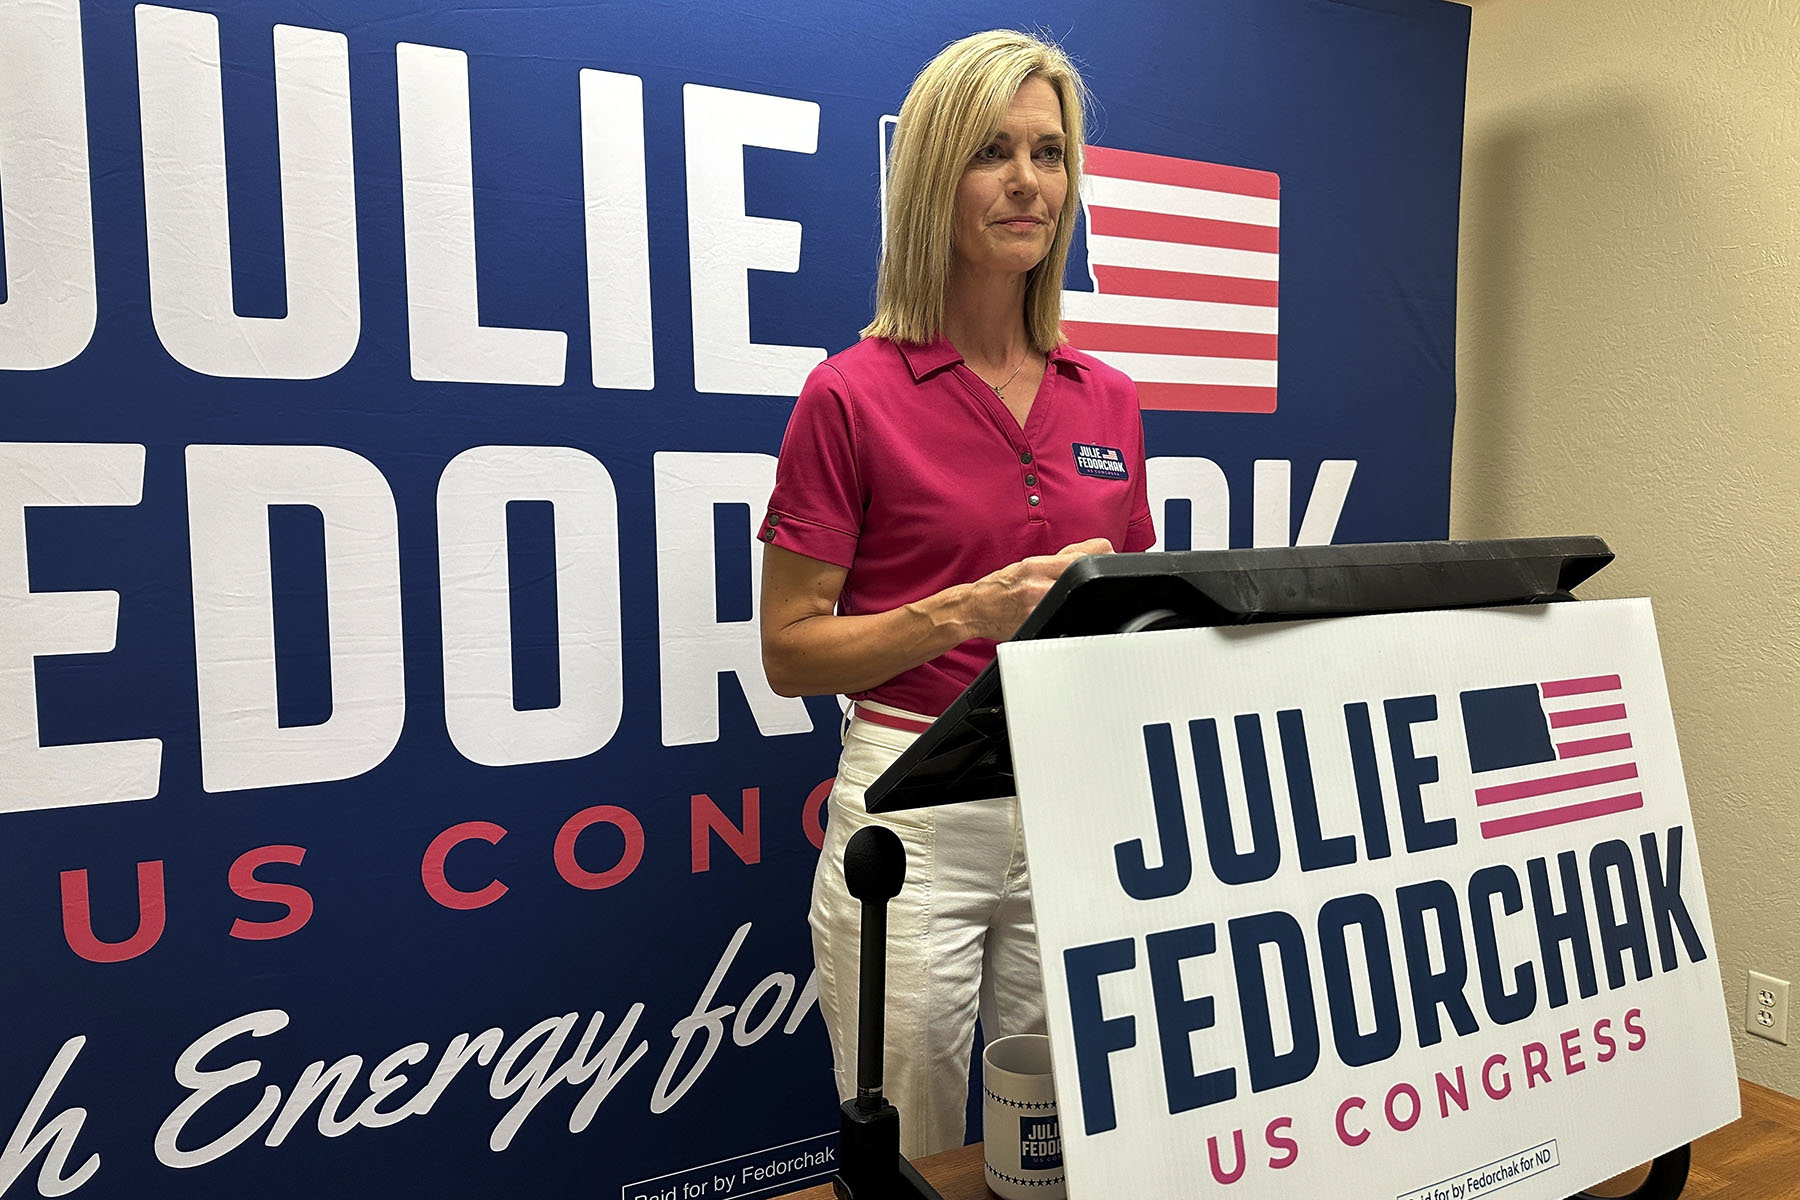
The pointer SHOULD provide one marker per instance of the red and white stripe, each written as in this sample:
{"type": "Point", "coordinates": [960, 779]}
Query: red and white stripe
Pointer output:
{"type": "Point", "coordinates": [1595, 773]}
{"type": "Point", "coordinates": [1185, 261]}
{"type": "Point", "coordinates": [893, 718]}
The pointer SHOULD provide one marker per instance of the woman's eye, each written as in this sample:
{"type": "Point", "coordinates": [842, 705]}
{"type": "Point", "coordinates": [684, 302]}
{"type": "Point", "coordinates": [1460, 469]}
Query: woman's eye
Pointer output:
{"type": "Point", "coordinates": [1053, 154]}
{"type": "Point", "coordinates": [987, 153]}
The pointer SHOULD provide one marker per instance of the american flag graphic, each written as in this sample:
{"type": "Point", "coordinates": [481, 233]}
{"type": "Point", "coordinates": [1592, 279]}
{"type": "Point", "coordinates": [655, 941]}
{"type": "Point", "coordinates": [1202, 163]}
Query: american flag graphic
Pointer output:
{"type": "Point", "coordinates": [1549, 753]}
{"type": "Point", "coordinates": [1183, 258]}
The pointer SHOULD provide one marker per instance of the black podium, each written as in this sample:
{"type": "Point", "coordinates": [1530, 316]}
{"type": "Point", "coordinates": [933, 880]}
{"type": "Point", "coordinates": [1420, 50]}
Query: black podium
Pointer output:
{"type": "Point", "coordinates": [965, 755]}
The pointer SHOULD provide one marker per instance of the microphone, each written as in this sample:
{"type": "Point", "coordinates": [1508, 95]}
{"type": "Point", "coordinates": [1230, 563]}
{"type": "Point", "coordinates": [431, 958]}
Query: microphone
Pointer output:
{"type": "Point", "coordinates": [870, 1165]}
{"type": "Point", "coordinates": [874, 870]}
{"type": "Point", "coordinates": [875, 864]}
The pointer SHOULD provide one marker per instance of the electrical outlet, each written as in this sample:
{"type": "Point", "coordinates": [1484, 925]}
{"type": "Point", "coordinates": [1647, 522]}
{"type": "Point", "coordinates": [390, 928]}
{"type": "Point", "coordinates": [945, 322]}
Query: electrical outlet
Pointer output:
{"type": "Point", "coordinates": [1766, 1007]}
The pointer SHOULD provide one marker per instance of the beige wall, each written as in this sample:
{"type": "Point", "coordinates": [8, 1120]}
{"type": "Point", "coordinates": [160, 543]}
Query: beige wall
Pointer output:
{"type": "Point", "coordinates": [1628, 365]}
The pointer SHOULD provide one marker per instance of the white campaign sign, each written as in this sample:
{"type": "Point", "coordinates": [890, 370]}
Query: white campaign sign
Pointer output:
{"type": "Point", "coordinates": [1397, 906]}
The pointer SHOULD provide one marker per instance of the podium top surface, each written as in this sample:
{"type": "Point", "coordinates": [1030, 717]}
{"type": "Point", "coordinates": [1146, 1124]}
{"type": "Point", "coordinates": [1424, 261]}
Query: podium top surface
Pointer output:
{"type": "Point", "coordinates": [965, 754]}
{"type": "Point", "coordinates": [1106, 593]}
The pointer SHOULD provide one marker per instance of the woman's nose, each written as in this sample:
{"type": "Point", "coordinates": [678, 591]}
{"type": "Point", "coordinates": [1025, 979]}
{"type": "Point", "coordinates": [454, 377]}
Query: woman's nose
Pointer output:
{"type": "Point", "coordinates": [1021, 179]}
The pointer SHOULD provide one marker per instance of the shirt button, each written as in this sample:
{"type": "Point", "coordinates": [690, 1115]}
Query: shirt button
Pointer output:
{"type": "Point", "coordinates": [768, 535]}
{"type": "Point", "coordinates": [1025, 457]}
{"type": "Point", "coordinates": [1033, 500]}
{"type": "Point", "coordinates": [774, 520]}
{"type": "Point", "coordinates": [1030, 480]}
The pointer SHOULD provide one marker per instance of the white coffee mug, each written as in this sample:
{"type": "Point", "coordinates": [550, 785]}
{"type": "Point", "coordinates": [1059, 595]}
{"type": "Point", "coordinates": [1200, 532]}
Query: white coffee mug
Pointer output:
{"type": "Point", "coordinates": [1023, 1140]}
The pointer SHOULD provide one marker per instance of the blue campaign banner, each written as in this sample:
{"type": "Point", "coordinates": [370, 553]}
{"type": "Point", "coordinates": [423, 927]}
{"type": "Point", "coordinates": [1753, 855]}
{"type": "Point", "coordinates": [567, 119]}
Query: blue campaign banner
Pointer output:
{"type": "Point", "coordinates": [391, 802]}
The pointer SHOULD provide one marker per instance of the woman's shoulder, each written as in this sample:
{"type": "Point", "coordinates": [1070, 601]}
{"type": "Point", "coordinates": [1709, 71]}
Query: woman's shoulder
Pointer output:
{"type": "Point", "coordinates": [871, 366]}
{"type": "Point", "coordinates": [1100, 376]}
{"type": "Point", "coordinates": [869, 356]}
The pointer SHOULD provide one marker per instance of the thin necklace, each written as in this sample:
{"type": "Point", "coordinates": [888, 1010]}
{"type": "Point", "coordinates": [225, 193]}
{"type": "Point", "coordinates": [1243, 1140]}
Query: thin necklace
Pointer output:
{"type": "Point", "coordinates": [1000, 388]}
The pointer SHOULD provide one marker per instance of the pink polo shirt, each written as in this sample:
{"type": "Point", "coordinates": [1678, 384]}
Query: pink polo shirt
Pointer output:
{"type": "Point", "coordinates": [903, 467]}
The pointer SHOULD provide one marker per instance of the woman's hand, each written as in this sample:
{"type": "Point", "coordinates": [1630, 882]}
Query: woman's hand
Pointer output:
{"type": "Point", "coordinates": [1000, 602]}
{"type": "Point", "coordinates": [808, 649]}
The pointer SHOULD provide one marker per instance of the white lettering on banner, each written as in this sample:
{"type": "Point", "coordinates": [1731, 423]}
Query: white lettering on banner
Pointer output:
{"type": "Point", "coordinates": [617, 210]}
{"type": "Point", "coordinates": [384, 1081]}
{"type": "Point", "coordinates": [710, 1022]}
{"type": "Point", "coordinates": [230, 489]}
{"type": "Point", "coordinates": [524, 1071]}
{"type": "Point", "coordinates": [539, 1079]}
{"type": "Point", "coordinates": [437, 196]}
{"type": "Point", "coordinates": [1199, 481]}
{"type": "Point", "coordinates": [1273, 495]}
{"type": "Point", "coordinates": [725, 244]}
{"type": "Point", "coordinates": [51, 308]}
{"type": "Point", "coordinates": [207, 1085]}
{"type": "Point", "coordinates": [1202, 483]}
{"type": "Point", "coordinates": [462, 1050]}
{"type": "Point", "coordinates": [46, 209]}
{"type": "Point", "coordinates": [55, 1140]}
{"type": "Point", "coordinates": [42, 624]}
{"type": "Point", "coordinates": [697, 647]}
{"type": "Point", "coordinates": [242, 743]}
{"type": "Point", "coordinates": [327, 1085]}
{"type": "Point", "coordinates": [475, 594]}
{"type": "Point", "coordinates": [185, 211]}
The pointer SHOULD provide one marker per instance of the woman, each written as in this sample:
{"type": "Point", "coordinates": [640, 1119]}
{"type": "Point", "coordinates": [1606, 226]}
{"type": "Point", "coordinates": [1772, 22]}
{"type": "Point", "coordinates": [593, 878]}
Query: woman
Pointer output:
{"type": "Point", "coordinates": [928, 495]}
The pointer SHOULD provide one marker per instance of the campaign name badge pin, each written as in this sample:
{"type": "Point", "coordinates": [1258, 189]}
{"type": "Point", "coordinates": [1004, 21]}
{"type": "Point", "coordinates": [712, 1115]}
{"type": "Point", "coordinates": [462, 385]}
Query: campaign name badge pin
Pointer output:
{"type": "Point", "coordinates": [1100, 462]}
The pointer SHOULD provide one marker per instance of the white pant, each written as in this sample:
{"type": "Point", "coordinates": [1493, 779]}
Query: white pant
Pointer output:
{"type": "Point", "coordinates": [960, 936]}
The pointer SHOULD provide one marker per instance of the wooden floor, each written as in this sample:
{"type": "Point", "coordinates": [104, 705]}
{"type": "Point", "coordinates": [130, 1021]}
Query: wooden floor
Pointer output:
{"type": "Point", "coordinates": [1756, 1157]}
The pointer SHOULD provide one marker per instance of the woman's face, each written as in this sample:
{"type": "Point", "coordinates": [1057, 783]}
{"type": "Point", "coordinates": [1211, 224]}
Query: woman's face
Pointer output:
{"type": "Point", "coordinates": [1011, 193]}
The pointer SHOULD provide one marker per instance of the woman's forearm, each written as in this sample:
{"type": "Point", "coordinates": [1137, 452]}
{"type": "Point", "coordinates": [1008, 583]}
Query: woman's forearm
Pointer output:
{"type": "Point", "coordinates": [828, 654]}
{"type": "Point", "coordinates": [811, 650]}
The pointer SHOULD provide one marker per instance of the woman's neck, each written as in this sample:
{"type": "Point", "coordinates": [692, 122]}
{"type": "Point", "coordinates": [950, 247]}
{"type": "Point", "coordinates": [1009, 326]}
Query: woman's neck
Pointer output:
{"type": "Point", "coordinates": [984, 318]}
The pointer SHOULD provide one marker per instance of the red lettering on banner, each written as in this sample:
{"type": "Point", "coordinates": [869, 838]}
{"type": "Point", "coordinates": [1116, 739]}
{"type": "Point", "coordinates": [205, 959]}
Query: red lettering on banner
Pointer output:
{"type": "Point", "coordinates": [1609, 1045]}
{"type": "Point", "coordinates": [1571, 1048]}
{"type": "Point", "coordinates": [432, 869]}
{"type": "Point", "coordinates": [743, 837]}
{"type": "Point", "coordinates": [1219, 1172]}
{"type": "Point", "coordinates": [1537, 1064]}
{"type": "Point", "coordinates": [812, 816]}
{"type": "Point", "coordinates": [1447, 1091]}
{"type": "Point", "coordinates": [78, 926]}
{"type": "Point", "coordinates": [1487, 1078]}
{"type": "Point", "coordinates": [599, 814]}
{"type": "Point", "coordinates": [1281, 1141]}
{"type": "Point", "coordinates": [1343, 1130]}
{"type": "Point", "coordinates": [1404, 1102]}
{"type": "Point", "coordinates": [706, 819]}
{"type": "Point", "coordinates": [1395, 1121]}
{"type": "Point", "coordinates": [296, 899]}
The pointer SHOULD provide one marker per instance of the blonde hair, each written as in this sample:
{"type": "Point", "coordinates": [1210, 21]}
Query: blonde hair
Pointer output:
{"type": "Point", "coordinates": [953, 109]}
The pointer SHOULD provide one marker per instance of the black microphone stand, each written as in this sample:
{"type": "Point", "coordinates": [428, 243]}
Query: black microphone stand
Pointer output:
{"type": "Point", "coordinates": [870, 1165]}
{"type": "Point", "coordinates": [1668, 1176]}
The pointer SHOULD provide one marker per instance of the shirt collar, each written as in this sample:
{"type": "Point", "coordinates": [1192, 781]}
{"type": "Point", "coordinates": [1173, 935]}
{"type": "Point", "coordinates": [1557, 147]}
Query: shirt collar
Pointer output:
{"type": "Point", "coordinates": [928, 358]}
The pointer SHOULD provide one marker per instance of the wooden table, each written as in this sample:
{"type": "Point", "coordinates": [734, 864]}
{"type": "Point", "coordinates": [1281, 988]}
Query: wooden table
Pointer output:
{"type": "Point", "coordinates": [1756, 1157]}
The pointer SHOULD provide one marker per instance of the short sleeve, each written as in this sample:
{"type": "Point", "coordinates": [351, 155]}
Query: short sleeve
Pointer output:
{"type": "Point", "coordinates": [1140, 532]}
{"type": "Point", "coordinates": [817, 506]}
